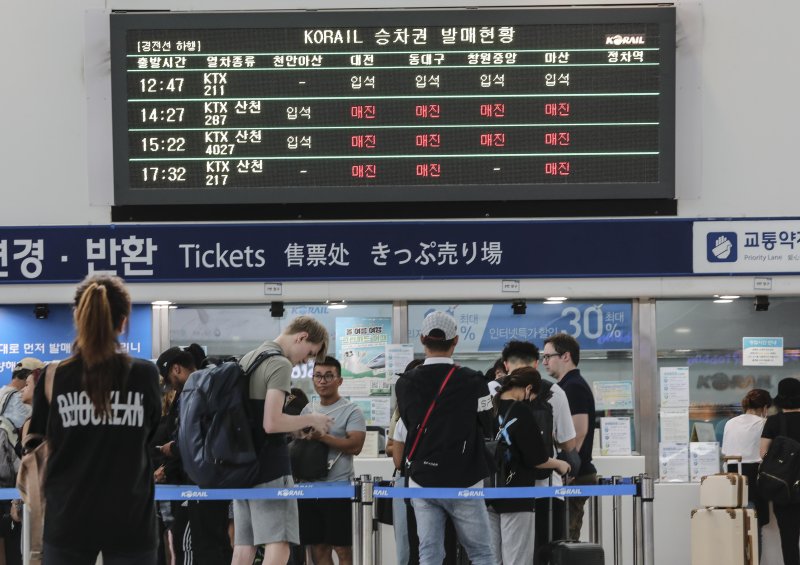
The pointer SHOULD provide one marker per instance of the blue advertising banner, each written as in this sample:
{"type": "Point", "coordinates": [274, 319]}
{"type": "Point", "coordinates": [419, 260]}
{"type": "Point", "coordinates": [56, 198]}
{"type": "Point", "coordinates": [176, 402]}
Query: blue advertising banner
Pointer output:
{"type": "Point", "coordinates": [348, 250]}
{"type": "Point", "coordinates": [488, 327]}
{"type": "Point", "coordinates": [22, 335]}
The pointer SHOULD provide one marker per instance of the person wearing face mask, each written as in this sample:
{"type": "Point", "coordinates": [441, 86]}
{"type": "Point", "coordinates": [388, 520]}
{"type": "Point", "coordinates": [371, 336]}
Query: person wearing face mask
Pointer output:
{"type": "Point", "coordinates": [742, 437]}
{"type": "Point", "coordinates": [512, 520]}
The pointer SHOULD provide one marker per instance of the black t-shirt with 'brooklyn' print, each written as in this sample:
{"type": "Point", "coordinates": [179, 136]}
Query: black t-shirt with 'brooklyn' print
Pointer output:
{"type": "Point", "coordinates": [99, 488]}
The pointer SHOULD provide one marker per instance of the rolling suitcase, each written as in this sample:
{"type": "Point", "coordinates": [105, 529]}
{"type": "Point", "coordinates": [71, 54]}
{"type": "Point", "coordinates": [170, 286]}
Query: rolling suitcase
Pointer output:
{"type": "Point", "coordinates": [727, 536]}
{"type": "Point", "coordinates": [569, 552]}
{"type": "Point", "coordinates": [724, 490]}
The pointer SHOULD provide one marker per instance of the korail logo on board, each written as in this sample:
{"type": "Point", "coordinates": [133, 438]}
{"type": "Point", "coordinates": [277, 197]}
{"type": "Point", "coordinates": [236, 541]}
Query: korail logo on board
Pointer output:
{"type": "Point", "coordinates": [620, 40]}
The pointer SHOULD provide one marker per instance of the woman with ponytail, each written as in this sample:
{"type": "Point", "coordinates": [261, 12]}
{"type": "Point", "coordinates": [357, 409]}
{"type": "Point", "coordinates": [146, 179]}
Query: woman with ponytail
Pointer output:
{"type": "Point", "coordinates": [98, 410]}
{"type": "Point", "coordinates": [512, 520]}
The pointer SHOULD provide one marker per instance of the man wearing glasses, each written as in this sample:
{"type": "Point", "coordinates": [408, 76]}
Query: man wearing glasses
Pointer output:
{"type": "Point", "coordinates": [326, 524]}
{"type": "Point", "coordinates": [560, 356]}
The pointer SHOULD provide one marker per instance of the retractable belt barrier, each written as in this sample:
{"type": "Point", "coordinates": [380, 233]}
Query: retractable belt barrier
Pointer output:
{"type": "Point", "coordinates": [363, 490]}
{"type": "Point", "coordinates": [346, 490]}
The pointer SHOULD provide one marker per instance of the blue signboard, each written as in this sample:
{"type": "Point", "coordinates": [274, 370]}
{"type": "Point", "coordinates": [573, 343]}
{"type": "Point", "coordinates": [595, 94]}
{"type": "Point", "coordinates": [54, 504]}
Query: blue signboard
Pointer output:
{"type": "Point", "coordinates": [22, 335]}
{"type": "Point", "coordinates": [488, 327]}
{"type": "Point", "coordinates": [348, 250]}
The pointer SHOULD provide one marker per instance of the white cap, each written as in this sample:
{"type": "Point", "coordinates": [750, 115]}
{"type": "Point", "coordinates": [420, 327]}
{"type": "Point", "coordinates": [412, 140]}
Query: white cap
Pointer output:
{"type": "Point", "coordinates": [441, 321]}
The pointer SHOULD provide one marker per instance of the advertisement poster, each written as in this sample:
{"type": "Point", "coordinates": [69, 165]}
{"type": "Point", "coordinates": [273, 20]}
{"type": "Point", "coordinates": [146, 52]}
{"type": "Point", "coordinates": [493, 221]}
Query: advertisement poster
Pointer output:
{"type": "Point", "coordinates": [361, 346]}
{"type": "Point", "coordinates": [613, 395]}
{"type": "Point", "coordinates": [488, 327]}
{"type": "Point", "coordinates": [673, 462]}
{"type": "Point", "coordinates": [703, 460]}
{"type": "Point", "coordinates": [615, 436]}
{"type": "Point", "coordinates": [50, 338]}
{"type": "Point", "coordinates": [674, 387]}
{"type": "Point", "coordinates": [762, 351]}
{"type": "Point", "coordinates": [398, 356]}
{"type": "Point", "coordinates": [674, 425]}
{"type": "Point", "coordinates": [361, 349]}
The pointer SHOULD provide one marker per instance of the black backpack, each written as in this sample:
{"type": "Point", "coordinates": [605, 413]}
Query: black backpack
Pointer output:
{"type": "Point", "coordinates": [217, 437]}
{"type": "Point", "coordinates": [779, 472]}
{"type": "Point", "coordinates": [542, 412]}
{"type": "Point", "coordinates": [499, 454]}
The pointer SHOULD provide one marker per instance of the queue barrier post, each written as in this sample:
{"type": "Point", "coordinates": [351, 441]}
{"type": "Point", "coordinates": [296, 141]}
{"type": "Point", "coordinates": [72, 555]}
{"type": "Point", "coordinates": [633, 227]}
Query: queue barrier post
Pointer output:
{"type": "Point", "coordinates": [617, 522]}
{"type": "Point", "coordinates": [367, 518]}
{"type": "Point", "coordinates": [595, 517]}
{"type": "Point", "coordinates": [377, 543]}
{"type": "Point", "coordinates": [648, 534]}
{"type": "Point", "coordinates": [356, 521]}
{"type": "Point", "coordinates": [638, 549]}
{"type": "Point", "coordinates": [26, 535]}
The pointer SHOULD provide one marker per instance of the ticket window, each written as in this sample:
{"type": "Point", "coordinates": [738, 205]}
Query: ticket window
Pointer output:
{"type": "Point", "coordinates": [226, 330]}
{"type": "Point", "coordinates": [712, 342]}
{"type": "Point", "coordinates": [603, 330]}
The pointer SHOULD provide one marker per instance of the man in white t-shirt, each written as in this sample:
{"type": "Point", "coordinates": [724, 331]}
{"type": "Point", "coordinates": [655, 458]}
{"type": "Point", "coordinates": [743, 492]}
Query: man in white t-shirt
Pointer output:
{"type": "Point", "coordinates": [518, 354]}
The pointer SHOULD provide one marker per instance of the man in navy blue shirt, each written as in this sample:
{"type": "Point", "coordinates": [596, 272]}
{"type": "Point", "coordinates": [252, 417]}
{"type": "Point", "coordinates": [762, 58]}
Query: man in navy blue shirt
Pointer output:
{"type": "Point", "coordinates": [560, 356]}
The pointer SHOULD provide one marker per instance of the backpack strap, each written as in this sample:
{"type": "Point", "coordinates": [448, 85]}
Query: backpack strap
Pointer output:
{"type": "Point", "coordinates": [421, 429]}
{"type": "Point", "coordinates": [260, 358]}
{"type": "Point", "coordinates": [7, 399]}
{"type": "Point", "coordinates": [49, 375]}
{"type": "Point", "coordinates": [546, 390]}
{"type": "Point", "coordinates": [784, 424]}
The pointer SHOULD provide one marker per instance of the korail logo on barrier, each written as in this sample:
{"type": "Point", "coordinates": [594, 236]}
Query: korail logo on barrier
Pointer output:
{"type": "Point", "coordinates": [470, 493]}
{"type": "Point", "coordinates": [194, 494]}
{"type": "Point", "coordinates": [380, 492]}
{"type": "Point", "coordinates": [291, 492]}
{"type": "Point", "coordinates": [568, 491]}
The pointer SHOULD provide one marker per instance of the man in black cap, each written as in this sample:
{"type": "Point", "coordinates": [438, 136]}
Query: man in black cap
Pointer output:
{"type": "Point", "coordinates": [207, 531]}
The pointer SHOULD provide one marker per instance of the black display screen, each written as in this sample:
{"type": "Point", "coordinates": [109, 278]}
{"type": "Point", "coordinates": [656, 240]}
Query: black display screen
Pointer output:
{"type": "Point", "coordinates": [393, 105]}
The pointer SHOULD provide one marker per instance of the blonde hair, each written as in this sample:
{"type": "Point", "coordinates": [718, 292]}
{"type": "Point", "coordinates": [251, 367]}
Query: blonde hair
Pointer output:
{"type": "Point", "coordinates": [315, 330]}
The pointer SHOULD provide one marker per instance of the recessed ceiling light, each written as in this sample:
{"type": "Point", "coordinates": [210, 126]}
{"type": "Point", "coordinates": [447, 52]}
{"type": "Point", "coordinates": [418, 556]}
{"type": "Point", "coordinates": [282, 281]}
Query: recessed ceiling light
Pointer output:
{"type": "Point", "coordinates": [683, 330]}
{"type": "Point", "coordinates": [336, 304]}
{"type": "Point", "coordinates": [723, 301]}
{"type": "Point", "coordinates": [557, 298]}
{"type": "Point", "coordinates": [161, 302]}
{"type": "Point", "coordinates": [729, 297]}
{"type": "Point", "coordinates": [553, 302]}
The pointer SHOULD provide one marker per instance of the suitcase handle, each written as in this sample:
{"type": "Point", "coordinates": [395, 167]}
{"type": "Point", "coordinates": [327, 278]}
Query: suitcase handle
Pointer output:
{"type": "Point", "coordinates": [732, 458]}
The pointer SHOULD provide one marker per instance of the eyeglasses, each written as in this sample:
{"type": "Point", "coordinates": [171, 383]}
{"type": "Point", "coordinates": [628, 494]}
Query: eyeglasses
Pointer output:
{"type": "Point", "coordinates": [326, 378]}
{"type": "Point", "coordinates": [546, 356]}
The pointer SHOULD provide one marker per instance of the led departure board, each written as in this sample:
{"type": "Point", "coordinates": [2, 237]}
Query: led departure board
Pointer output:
{"type": "Point", "coordinates": [393, 105]}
